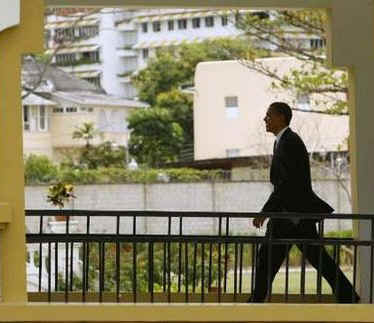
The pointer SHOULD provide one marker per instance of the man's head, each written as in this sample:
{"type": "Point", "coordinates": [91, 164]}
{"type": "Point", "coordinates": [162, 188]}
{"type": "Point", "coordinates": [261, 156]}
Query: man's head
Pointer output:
{"type": "Point", "coordinates": [278, 116]}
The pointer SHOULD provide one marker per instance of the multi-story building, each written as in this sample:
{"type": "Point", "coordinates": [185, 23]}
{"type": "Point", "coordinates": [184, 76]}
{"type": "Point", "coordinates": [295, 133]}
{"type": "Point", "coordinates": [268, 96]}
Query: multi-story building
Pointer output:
{"type": "Point", "coordinates": [108, 46]}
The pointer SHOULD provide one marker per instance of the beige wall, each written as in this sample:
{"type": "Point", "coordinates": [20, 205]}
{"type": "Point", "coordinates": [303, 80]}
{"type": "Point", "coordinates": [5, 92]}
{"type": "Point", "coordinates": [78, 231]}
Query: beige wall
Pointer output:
{"type": "Point", "coordinates": [37, 142]}
{"type": "Point", "coordinates": [214, 132]}
{"type": "Point", "coordinates": [61, 126]}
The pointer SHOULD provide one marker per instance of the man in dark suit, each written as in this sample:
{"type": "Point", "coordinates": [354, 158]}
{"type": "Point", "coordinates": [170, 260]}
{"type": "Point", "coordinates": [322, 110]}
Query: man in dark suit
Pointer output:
{"type": "Point", "coordinates": [290, 176]}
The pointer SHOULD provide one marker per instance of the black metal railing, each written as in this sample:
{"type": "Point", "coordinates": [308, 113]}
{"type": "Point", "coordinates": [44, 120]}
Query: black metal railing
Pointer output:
{"type": "Point", "coordinates": [155, 256]}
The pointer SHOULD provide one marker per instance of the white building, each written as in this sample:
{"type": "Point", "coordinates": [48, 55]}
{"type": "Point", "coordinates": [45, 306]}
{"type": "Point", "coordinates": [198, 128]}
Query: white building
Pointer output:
{"type": "Point", "coordinates": [60, 103]}
{"type": "Point", "coordinates": [230, 103]}
{"type": "Point", "coordinates": [108, 46]}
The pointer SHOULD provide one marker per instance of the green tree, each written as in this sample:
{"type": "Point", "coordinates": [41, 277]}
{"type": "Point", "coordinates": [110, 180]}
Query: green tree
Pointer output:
{"type": "Point", "coordinates": [159, 84]}
{"type": "Point", "coordinates": [180, 106]}
{"type": "Point", "coordinates": [172, 68]}
{"type": "Point", "coordinates": [156, 137]}
{"type": "Point", "coordinates": [314, 78]}
{"type": "Point", "coordinates": [87, 132]}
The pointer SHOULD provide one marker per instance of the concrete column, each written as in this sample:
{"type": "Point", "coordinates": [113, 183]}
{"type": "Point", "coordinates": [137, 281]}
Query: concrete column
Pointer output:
{"type": "Point", "coordinates": [26, 37]}
{"type": "Point", "coordinates": [352, 45]}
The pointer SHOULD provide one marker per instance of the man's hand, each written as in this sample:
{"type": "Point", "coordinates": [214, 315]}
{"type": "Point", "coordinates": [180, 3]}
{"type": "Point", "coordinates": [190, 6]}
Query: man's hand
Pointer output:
{"type": "Point", "coordinates": [259, 221]}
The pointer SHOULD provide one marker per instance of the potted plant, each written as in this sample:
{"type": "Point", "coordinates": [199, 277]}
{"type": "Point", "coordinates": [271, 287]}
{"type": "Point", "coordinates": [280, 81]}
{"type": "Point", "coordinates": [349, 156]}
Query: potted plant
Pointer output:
{"type": "Point", "coordinates": [59, 194]}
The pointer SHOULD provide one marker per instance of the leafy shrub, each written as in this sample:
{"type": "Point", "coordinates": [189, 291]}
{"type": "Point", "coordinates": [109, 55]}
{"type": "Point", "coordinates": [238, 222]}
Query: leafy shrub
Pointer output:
{"type": "Point", "coordinates": [39, 170]}
{"type": "Point", "coordinates": [122, 175]}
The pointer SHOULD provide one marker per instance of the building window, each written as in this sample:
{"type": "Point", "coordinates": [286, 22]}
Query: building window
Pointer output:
{"type": "Point", "coordinates": [182, 24]}
{"type": "Point", "coordinates": [58, 110]}
{"type": "Point", "coordinates": [260, 15]}
{"type": "Point", "coordinates": [65, 59]}
{"type": "Point", "coordinates": [42, 120]}
{"type": "Point", "coordinates": [171, 25]}
{"type": "Point", "coordinates": [303, 101]}
{"type": "Point", "coordinates": [232, 107]}
{"type": "Point", "coordinates": [196, 23]}
{"type": "Point", "coordinates": [317, 43]}
{"type": "Point", "coordinates": [145, 53]}
{"type": "Point", "coordinates": [71, 109]}
{"type": "Point", "coordinates": [94, 80]}
{"type": "Point", "coordinates": [224, 20]}
{"type": "Point", "coordinates": [144, 27]}
{"type": "Point", "coordinates": [26, 118]}
{"type": "Point", "coordinates": [209, 21]}
{"type": "Point", "coordinates": [231, 102]}
{"type": "Point", "coordinates": [232, 152]}
{"type": "Point", "coordinates": [90, 57]}
{"type": "Point", "coordinates": [156, 26]}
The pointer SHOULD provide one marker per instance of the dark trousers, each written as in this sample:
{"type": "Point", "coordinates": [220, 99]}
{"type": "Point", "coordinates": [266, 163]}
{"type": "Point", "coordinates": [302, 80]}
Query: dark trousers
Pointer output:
{"type": "Point", "coordinates": [285, 229]}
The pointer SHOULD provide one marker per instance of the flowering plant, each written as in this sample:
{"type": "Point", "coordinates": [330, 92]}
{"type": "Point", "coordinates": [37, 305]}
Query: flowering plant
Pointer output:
{"type": "Point", "coordinates": [60, 193]}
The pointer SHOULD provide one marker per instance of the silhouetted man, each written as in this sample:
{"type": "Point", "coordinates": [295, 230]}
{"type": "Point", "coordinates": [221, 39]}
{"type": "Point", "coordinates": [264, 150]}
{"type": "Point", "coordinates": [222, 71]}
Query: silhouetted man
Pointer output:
{"type": "Point", "coordinates": [290, 176]}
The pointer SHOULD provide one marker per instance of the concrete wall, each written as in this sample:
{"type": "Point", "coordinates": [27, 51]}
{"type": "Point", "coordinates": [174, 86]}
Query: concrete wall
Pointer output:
{"type": "Point", "coordinates": [231, 196]}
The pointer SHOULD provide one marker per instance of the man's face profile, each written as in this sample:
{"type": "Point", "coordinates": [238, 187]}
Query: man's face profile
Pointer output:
{"type": "Point", "coordinates": [274, 121]}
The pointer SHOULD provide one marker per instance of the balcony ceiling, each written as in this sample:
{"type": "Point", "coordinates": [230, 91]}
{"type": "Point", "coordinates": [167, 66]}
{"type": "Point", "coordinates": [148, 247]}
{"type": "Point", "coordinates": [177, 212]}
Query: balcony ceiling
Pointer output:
{"type": "Point", "coordinates": [193, 3]}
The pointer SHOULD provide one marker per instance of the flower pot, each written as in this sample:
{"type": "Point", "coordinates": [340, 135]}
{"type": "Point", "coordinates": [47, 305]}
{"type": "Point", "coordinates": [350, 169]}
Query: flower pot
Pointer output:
{"type": "Point", "coordinates": [61, 218]}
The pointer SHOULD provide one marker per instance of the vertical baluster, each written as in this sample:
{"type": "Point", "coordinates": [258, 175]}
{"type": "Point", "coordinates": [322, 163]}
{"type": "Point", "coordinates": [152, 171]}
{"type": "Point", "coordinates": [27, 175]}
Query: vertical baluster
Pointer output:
{"type": "Point", "coordinates": [219, 258]}
{"type": "Point", "coordinates": [88, 254]}
{"type": "Point", "coordinates": [210, 266]}
{"type": "Point", "coordinates": [319, 270]}
{"type": "Point", "coordinates": [235, 270]}
{"type": "Point", "coordinates": [164, 269]}
{"type": "Point", "coordinates": [84, 259]}
{"type": "Point", "coordinates": [134, 269]}
{"type": "Point", "coordinates": [202, 272]}
{"type": "Point", "coordinates": [40, 255]}
{"type": "Point", "coordinates": [118, 260]}
{"type": "Point", "coordinates": [226, 256]}
{"type": "Point", "coordinates": [56, 266]}
{"type": "Point", "coordinates": [71, 265]}
{"type": "Point", "coordinates": [101, 271]}
{"type": "Point", "coordinates": [49, 271]}
{"type": "Point", "coordinates": [150, 270]}
{"type": "Point", "coordinates": [194, 267]}
{"type": "Point", "coordinates": [180, 257]}
{"type": "Point", "coordinates": [241, 268]}
{"type": "Point", "coordinates": [186, 271]}
{"type": "Point", "coordinates": [169, 260]}
{"type": "Point", "coordinates": [253, 266]}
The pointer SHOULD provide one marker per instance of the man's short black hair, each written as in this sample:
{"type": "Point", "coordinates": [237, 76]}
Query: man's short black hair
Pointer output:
{"type": "Point", "coordinates": [283, 109]}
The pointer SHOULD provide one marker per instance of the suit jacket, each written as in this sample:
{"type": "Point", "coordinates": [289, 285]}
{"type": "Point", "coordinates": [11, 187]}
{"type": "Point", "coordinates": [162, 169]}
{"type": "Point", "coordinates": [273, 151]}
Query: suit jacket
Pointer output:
{"type": "Point", "coordinates": [290, 176]}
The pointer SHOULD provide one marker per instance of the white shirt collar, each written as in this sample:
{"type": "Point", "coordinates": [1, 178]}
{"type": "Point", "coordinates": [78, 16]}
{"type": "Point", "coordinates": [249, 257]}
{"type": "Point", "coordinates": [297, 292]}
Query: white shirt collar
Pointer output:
{"type": "Point", "coordinates": [280, 133]}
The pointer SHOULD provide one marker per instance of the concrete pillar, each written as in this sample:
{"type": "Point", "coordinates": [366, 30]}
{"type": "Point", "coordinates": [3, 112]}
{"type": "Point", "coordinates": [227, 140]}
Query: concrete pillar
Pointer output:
{"type": "Point", "coordinates": [27, 37]}
{"type": "Point", "coordinates": [351, 31]}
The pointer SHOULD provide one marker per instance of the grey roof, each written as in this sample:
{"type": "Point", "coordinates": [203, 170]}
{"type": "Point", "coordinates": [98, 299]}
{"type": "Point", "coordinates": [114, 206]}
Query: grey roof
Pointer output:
{"type": "Point", "coordinates": [58, 84]}
{"type": "Point", "coordinates": [95, 99]}
{"type": "Point", "coordinates": [60, 80]}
